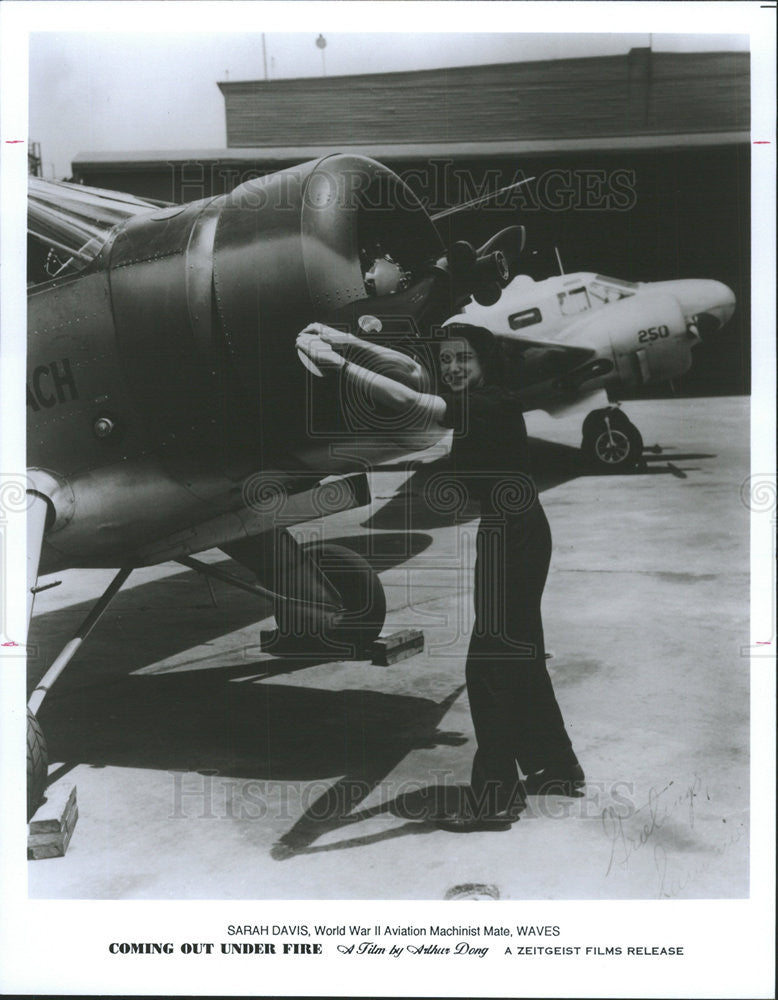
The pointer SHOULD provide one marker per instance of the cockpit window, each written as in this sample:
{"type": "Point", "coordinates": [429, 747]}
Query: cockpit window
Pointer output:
{"type": "Point", "coordinates": [574, 301]}
{"type": "Point", "coordinates": [68, 224]}
{"type": "Point", "coordinates": [611, 289]}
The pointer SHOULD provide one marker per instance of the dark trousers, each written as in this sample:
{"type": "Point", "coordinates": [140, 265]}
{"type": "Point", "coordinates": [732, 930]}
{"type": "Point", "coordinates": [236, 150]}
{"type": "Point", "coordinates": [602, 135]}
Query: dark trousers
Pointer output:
{"type": "Point", "coordinates": [515, 713]}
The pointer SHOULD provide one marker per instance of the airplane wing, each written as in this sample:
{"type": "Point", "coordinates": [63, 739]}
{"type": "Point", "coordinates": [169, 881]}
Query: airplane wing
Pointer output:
{"type": "Point", "coordinates": [563, 367]}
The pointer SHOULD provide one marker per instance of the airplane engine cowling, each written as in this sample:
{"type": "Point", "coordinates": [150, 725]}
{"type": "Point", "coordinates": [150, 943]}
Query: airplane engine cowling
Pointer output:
{"type": "Point", "coordinates": [652, 343]}
{"type": "Point", "coordinates": [645, 335]}
{"type": "Point", "coordinates": [298, 246]}
{"type": "Point", "coordinates": [208, 298]}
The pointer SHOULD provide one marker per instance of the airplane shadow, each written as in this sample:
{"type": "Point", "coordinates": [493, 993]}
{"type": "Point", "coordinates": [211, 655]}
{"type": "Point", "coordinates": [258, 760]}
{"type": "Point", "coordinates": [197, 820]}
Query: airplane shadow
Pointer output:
{"type": "Point", "coordinates": [552, 463]}
{"type": "Point", "coordinates": [214, 716]}
{"type": "Point", "coordinates": [199, 722]}
{"type": "Point", "coordinates": [670, 467]}
{"type": "Point", "coordinates": [154, 621]}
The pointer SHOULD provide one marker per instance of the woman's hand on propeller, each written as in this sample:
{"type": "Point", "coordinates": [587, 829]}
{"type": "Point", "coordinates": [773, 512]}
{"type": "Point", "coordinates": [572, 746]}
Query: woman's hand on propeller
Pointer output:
{"type": "Point", "coordinates": [320, 353]}
{"type": "Point", "coordinates": [337, 339]}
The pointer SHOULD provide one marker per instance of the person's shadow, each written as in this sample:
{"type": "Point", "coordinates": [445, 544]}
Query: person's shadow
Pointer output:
{"type": "Point", "coordinates": [418, 805]}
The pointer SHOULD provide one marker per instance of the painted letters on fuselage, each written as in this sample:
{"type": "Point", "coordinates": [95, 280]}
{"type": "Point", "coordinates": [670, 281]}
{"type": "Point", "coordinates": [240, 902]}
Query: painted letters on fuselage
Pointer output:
{"type": "Point", "coordinates": [51, 384]}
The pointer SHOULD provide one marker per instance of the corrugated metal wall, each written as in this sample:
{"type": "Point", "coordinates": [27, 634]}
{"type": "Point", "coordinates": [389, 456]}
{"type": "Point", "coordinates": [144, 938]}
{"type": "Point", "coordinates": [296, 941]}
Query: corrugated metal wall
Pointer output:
{"type": "Point", "coordinates": [640, 93]}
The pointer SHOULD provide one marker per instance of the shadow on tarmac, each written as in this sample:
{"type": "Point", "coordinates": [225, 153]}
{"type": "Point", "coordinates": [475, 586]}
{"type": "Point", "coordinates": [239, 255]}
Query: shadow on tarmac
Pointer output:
{"type": "Point", "coordinates": [205, 715]}
{"type": "Point", "coordinates": [218, 722]}
{"type": "Point", "coordinates": [154, 621]}
{"type": "Point", "coordinates": [552, 464]}
{"type": "Point", "coordinates": [214, 719]}
{"type": "Point", "coordinates": [333, 810]}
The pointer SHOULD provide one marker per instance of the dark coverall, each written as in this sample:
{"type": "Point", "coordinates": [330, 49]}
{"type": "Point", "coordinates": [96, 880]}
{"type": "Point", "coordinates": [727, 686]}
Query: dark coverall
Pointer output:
{"type": "Point", "coordinates": [514, 710]}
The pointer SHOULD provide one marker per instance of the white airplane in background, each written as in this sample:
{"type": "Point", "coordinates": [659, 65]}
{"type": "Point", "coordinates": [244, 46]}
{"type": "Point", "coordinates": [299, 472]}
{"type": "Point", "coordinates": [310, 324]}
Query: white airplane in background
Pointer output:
{"type": "Point", "coordinates": [571, 337]}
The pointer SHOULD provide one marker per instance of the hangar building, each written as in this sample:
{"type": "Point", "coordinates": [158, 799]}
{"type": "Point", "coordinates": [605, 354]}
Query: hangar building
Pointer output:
{"type": "Point", "coordinates": [641, 162]}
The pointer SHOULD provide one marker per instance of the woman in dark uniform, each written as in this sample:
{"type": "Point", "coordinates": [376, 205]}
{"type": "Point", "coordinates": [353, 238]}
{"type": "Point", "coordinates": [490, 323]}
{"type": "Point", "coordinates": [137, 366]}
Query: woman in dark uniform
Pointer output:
{"type": "Point", "coordinates": [515, 713]}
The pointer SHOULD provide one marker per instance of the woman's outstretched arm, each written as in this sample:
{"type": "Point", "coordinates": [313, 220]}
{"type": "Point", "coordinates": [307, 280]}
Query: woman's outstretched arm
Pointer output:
{"type": "Point", "coordinates": [393, 364]}
{"type": "Point", "coordinates": [423, 407]}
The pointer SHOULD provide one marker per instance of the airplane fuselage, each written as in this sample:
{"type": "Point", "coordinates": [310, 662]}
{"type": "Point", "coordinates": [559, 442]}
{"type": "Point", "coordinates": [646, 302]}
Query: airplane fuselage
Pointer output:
{"type": "Point", "coordinates": [164, 390]}
{"type": "Point", "coordinates": [608, 333]}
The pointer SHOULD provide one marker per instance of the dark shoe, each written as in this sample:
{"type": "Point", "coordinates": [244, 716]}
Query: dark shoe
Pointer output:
{"type": "Point", "coordinates": [555, 780]}
{"type": "Point", "coordinates": [468, 821]}
{"type": "Point", "coordinates": [471, 824]}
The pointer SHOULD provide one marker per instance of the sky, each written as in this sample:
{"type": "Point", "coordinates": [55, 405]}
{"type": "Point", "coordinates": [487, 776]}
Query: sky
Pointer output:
{"type": "Point", "coordinates": [109, 91]}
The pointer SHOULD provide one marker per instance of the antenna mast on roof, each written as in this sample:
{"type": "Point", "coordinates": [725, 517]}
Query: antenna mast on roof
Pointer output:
{"type": "Point", "coordinates": [321, 43]}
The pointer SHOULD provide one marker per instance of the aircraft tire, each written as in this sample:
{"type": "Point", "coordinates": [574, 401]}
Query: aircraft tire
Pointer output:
{"type": "Point", "coordinates": [595, 421]}
{"type": "Point", "coordinates": [361, 592]}
{"type": "Point", "coordinates": [615, 449]}
{"type": "Point", "coordinates": [37, 764]}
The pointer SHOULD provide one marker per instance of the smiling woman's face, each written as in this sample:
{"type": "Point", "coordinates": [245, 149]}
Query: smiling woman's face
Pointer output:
{"type": "Point", "coordinates": [460, 368]}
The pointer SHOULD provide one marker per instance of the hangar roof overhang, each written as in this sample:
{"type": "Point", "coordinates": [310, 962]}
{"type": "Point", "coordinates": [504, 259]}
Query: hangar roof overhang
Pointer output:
{"type": "Point", "coordinates": [392, 152]}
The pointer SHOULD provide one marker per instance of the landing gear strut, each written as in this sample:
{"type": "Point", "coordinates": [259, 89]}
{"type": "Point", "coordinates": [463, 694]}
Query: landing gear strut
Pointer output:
{"type": "Point", "coordinates": [611, 442]}
{"type": "Point", "coordinates": [37, 756]}
{"type": "Point", "coordinates": [327, 598]}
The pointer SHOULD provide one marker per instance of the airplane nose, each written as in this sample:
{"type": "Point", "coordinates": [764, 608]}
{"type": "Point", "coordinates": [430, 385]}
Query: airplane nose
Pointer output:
{"type": "Point", "coordinates": [711, 303]}
{"type": "Point", "coordinates": [725, 305]}
{"type": "Point", "coordinates": [706, 304]}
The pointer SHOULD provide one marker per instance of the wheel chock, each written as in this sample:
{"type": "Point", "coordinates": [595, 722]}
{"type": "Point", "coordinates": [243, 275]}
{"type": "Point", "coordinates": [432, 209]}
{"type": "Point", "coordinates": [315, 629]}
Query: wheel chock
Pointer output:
{"type": "Point", "coordinates": [52, 826]}
{"type": "Point", "coordinates": [388, 649]}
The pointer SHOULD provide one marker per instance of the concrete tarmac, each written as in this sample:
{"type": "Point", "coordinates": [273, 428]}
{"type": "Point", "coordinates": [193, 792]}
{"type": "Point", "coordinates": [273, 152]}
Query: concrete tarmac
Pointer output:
{"type": "Point", "coordinates": [207, 769]}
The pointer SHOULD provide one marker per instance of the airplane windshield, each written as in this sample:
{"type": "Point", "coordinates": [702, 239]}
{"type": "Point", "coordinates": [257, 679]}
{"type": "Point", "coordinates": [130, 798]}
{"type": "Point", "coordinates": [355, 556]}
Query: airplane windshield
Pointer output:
{"type": "Point", "coordinates": [611, 289]}
{"type": "Point", "coordinates": [573, 301]}
{"type": "Point", "coordinates": [67, 225]}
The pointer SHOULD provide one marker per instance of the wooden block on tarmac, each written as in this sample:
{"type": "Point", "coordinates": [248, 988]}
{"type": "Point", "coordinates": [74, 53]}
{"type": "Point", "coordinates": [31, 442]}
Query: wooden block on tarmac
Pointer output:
{"type": "Point", "coordinates": [388, 649]}
{"type": "Point", "coordinates": [50, 813]}
{"type": "Point", "coordinates": [51, 828]}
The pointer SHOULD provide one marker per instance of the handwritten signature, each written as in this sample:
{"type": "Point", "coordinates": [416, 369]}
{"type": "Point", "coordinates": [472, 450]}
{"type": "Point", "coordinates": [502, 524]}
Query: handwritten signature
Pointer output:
{"type": "Point", "coordinates": [658, 810]}
{"type": "Point", "coordinates": [669, 888]}
{"type": "Point", "coordinates": [672, 804]}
